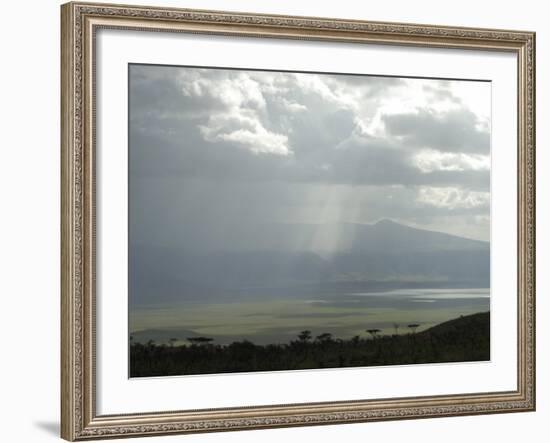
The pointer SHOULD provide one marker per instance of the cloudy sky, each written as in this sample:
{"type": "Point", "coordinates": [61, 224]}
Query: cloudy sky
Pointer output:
{"type": "Point", "coordinates": [213, 148]}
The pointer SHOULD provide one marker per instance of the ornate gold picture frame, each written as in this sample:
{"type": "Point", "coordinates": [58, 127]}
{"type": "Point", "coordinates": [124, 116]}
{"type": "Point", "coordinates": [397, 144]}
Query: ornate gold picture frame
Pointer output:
{"type": "Point", "coordinates": [80, 23]}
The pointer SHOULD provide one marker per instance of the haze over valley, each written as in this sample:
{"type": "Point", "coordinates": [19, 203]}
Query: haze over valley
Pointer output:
{"type": "Point", "coordinates": [263, 204]}
{"type": "Point", "coordinates": [382, 275]}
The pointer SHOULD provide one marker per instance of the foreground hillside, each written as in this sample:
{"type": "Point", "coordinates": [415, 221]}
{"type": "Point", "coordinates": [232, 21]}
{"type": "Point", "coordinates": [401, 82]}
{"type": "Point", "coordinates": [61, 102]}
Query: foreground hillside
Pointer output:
{"type": "Point", "coordinates": [463, 339]}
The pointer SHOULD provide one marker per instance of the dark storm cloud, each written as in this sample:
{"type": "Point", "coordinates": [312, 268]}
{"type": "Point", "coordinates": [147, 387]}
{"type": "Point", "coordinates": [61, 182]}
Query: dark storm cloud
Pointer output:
{"type": "Point", "coordinates": [374, 161]}
{"type": "Point", "coordinates": [362, 161]}
{"type": "Point", "coordinates": [453, 131]}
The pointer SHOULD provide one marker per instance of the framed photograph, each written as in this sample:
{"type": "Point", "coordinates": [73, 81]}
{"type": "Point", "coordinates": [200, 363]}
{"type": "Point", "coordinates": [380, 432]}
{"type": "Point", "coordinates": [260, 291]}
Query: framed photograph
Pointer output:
{"type": "Point", "coordinates": [282, 221]}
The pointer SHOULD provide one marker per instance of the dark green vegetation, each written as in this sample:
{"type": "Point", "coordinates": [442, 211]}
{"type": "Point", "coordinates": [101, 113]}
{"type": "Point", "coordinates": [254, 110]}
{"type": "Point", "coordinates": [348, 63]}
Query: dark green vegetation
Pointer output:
{"type": "Point", "coordinates": [459, 340]}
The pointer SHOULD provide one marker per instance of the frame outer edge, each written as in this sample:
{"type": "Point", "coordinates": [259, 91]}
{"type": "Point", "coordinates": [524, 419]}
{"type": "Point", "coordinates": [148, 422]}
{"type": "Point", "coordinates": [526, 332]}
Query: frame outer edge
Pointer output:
{"type": "Point", "coordinates": [534, 133]}
{"type": "Point", "coordinates": [78, 420]}
{"type": "Point", "coordinates": [527, 222]}
{"type": "Point", "coordinates": [532, 200]}
{"type": "Point", "coordinates": [68, 425]}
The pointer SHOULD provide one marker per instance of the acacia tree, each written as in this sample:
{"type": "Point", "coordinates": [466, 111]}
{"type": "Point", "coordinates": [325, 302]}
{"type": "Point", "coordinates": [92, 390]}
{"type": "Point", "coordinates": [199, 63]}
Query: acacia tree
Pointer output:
{"type": "Point", "coordinates": [396, 328]}
{"type": "Point", "coordinates": [325, 337]}
{"type": "Point", "coordinates": [373, 332]}
{"type": "Point", "coordinates": [304, 336]}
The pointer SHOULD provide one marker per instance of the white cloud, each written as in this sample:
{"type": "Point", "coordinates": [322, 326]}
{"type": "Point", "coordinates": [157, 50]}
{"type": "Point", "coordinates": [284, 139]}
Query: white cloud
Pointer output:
{"type": "Point", "coordinates": [452, 198]}
{"type": "Point", "coordinates": [244, 128]}
{"type": "Point", "coordinates": [474, 95]}
{"type": "Point", "coordinates": [329, 91]}
{"type": "Point", "coordinates": [430, 160]}
{"type": "Point", "coordinates": [293, 106]}
{"type": "Point", "coordinates": [238, 118]}
{"type": "Point", "coordinates": [235, 90]}
{"type": "Point", "coordinates": [258, 141]}
{"type": "Point", "coordinates": [429, 95]}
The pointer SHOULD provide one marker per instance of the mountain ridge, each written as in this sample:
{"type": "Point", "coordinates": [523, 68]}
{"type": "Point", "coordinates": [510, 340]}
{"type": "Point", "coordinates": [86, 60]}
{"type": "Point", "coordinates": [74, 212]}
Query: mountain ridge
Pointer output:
{"type": "Point", "coordinates": [323, 237]}
{"type": "Point", "coordinates": [386, 251]}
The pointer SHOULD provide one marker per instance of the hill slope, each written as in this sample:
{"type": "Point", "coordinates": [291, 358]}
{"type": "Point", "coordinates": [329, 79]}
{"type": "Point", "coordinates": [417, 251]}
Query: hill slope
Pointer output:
{"type": "Point", "coordinates": [460, 340]}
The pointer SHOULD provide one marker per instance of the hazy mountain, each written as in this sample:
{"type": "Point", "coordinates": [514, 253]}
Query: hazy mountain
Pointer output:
{"type": "Point", "coordinates": [326, 238]}
{"type": "Point", "coordinates": [388, 236]}
{"type": "Point", "coordinates": [306, 255]}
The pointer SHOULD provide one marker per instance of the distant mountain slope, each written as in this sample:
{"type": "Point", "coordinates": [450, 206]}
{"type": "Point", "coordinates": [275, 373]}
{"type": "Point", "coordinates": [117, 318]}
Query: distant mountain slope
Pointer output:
{"type": "Point", "coordinates": [288, 255]}
{"type": "Point", "coordinates": [388, 236]}
{"type": "Point", "coordinates": [324, 238]}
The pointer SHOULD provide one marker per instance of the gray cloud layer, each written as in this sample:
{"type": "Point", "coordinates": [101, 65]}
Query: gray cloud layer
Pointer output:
{"type": "Point", "coordinates": [453, 131]}
{"type": "Point", "coordinates": [273, 145]}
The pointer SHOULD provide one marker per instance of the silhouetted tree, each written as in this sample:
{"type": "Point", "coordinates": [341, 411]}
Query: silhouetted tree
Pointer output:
{"type": "Point", "coordinates": [304, 336]}
{"type": "Point", "coordinates": [396, 328]}
{"type": "Point", "coordinates": [324, 337]}
{"type": "Point", "coordinates": [459, 340]}
{"type": "Point", "coordinates": [373, 332]}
